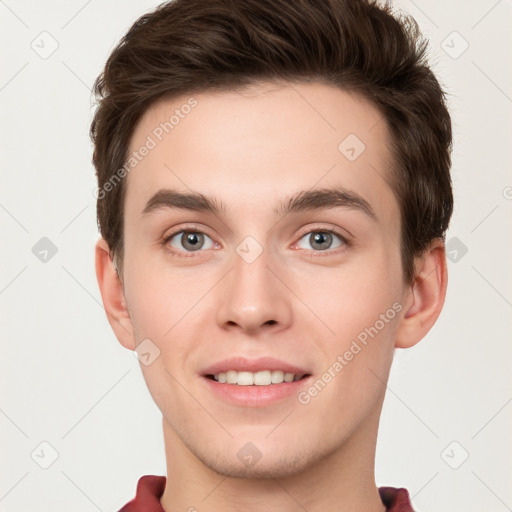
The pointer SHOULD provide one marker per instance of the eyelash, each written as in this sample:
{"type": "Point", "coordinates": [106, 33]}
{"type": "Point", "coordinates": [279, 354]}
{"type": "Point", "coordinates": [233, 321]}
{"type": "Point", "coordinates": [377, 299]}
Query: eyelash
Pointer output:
{"type": "Point", "coordinates": [313, 254]}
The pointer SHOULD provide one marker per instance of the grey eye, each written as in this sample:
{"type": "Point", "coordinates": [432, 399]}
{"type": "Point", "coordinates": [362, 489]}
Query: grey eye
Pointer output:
{"type": "Point", "coordinates": [191, 241]}
{"type": "Point", "coordinates": [320, 240]}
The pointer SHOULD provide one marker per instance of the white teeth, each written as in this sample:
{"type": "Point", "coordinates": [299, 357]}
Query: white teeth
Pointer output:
{"type": "Point", "coordinates": [288, 377]}
{"type": "Point", "coordinates": [245, 379]}
{"type": "Point", "coordinates": [231, 376]}
{"type": "Point", "coordinates": [263, 378]}
{"type": "Point", "coordinates": [277, 376]}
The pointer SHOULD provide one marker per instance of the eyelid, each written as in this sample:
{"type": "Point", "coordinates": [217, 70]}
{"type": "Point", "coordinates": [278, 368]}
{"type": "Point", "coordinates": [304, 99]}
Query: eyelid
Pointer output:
{"type": "Point", "coordinates": [186, 227]}
{"type": "Point", "coordinates": [329, 229]}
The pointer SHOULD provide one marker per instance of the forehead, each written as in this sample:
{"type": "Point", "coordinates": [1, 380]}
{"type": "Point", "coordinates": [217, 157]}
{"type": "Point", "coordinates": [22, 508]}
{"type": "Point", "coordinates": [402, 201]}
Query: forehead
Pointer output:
{"type": "Point", "coordinates": [254, 146]}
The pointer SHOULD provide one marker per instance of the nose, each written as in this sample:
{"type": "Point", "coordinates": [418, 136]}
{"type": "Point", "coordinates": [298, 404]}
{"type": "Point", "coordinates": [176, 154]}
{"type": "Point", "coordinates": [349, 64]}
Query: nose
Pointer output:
{"type": "Point", "coordinates": [253, 297]}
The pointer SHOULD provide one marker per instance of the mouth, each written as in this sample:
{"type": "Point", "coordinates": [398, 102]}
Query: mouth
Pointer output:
{"type": "Point", "coordinates": [259, 378]}
{"type": "Point", "coordinates": [257, 382]}
{"type": "Point", "coordinates": [259, 389]}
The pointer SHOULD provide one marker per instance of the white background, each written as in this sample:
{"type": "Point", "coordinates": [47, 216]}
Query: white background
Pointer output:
{"type": "Point", "coordinates": [65, 379]}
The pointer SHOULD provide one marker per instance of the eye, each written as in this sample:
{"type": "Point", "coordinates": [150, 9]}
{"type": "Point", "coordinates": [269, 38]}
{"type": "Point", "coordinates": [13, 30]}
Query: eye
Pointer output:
{"type": "Point", "coordinates": [189, 241]}
{"type": "Point", "coordinates": [321, 240]}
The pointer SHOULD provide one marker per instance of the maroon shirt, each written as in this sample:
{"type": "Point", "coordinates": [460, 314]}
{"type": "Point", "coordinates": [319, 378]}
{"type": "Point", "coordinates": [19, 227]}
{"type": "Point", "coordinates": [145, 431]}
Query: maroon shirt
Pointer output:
{"type": "Point", "coordinates": [151, 487]}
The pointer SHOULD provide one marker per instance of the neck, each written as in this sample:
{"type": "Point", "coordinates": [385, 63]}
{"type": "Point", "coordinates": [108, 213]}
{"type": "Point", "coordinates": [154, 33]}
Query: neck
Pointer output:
{"type": "Point", "coordinates": [342, 480]}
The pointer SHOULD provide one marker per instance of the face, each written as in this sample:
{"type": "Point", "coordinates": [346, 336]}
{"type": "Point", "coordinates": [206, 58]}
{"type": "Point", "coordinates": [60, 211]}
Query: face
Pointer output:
{"type": "Point", "coordinates": [261, 234]}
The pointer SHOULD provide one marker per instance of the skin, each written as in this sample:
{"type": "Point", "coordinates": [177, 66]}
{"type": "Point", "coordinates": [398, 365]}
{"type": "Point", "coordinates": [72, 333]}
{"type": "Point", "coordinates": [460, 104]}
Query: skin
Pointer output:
{"type": "Point", "coordinates": [252, 149]}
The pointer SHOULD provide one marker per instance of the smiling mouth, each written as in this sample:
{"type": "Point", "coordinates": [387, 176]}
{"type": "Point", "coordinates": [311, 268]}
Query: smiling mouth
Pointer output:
{"type": "Point", "coordinates": [261, 378]}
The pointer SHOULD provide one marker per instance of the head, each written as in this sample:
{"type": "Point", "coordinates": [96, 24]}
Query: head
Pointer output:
{"type": "Point", "coordinates": [272, 120]}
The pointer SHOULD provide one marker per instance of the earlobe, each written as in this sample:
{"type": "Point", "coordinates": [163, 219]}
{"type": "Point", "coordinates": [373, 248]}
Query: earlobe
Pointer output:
{"type": "Point", "coordinates": [427, 295]}
{"type": "Point", "coordinates": [112, 295]}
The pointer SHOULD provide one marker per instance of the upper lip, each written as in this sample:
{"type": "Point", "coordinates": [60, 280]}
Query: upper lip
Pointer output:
{"type": "Point", "coordinates": [253, 365]}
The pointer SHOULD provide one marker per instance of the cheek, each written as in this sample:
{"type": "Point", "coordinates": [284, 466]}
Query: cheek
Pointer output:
{"type": "Point", "coordinates": [352, 299]}
{"type": "Point", "coordinates": [361, 306]}
{"type": "Point", "coordinates": [161, 298]}
{"type": "Point", "coordinates": [357, 361]}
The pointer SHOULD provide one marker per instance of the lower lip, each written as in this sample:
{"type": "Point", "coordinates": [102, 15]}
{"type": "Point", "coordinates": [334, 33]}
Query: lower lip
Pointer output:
{"type": "Point", "coordinates": [255, 396]}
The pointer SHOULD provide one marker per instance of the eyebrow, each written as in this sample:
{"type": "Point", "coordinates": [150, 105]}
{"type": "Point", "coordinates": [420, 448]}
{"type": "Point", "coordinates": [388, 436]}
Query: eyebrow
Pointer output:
{"type": "Point", "coordinates": [303, 201]}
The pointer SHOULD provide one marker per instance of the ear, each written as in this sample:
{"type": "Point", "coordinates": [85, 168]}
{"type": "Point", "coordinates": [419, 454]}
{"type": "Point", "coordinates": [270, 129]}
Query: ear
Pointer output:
{"type": "Point", "coordinates": [426, 296]}
{"type": "Point", "coordinates": [112, 294]}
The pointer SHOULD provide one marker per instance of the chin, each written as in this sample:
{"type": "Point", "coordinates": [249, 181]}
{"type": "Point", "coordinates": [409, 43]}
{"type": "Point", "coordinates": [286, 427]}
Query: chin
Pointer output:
{"type": "Point", "coordinates": [261, 466]}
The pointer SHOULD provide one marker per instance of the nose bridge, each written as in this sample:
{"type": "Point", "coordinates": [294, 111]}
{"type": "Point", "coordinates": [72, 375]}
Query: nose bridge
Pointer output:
{"type": "Point", "coordinates": [252, 296]}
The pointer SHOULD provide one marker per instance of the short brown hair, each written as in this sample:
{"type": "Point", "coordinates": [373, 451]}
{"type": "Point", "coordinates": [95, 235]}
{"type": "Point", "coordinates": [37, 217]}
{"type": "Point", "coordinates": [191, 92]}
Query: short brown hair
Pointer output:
{"type": "Point", "coordinates": [187, 46]}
